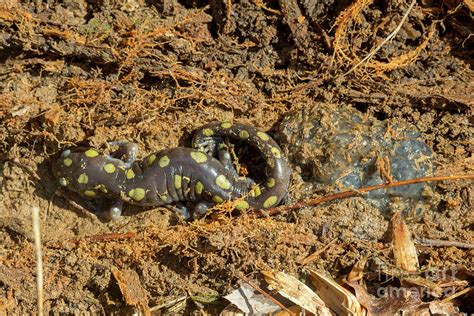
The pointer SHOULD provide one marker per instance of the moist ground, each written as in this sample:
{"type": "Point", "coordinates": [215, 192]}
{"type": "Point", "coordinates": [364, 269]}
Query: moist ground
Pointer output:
{"type": "Point", "coordinates": [152, 72]}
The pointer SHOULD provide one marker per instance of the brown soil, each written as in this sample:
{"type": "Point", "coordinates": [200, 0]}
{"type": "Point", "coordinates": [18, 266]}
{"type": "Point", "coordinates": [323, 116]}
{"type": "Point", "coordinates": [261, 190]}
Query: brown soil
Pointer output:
{"type": "Point", "coordinates": [154, 71]}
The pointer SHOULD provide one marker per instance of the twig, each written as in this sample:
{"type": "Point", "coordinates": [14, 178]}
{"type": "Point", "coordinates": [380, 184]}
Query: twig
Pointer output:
{"type": "Point", "coordinates": [28, 169]}
{"type": "Point", "coordinates": [103, 237]}
{"type": "Point", "coordinates": [352, 193]}
{"type": "Point", "coordinates": [443, 243]}
{"type": "Point", "coordinates": [388, 38]}
{"type": "Point", "coordinates": [39, 258]}
{"type": "Point", "coordinates": [271, 298]}
{"type": "Point", "coordinates": [83, 211]}
{"type": "Point", "coordinates": [168, 304]}
{"type": "Point", "coordinates": [315, 254]}
{"type": "Point", "coordinates": [447, 299]}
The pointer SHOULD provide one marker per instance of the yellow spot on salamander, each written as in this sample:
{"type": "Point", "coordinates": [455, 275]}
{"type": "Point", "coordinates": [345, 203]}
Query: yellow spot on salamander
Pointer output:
{"type": "Point", "coordinates": [198, 156]}
{"type": "Point", "coordinates": [270, 182]}
{"type": "Point", "coordinates": [164, 161]}
{"type": "Point", "coordinates": [137, 194]}
{"type": "Point", "coordinates": [242, 205]}
{"type": "Point", "coordinates": [63, 182]}
{"type": "Point", "coordinates": [101, 187]}
{"type": "Point", "coordinates": [109, 168]}
{"type": "Point", "coordinates": [255, 191]}
{"type": "Point", "coordinates": [217, 199]}
{"type": "Point", "coordinates": [222, 182]}
{"type": "Point", "coordinates": [164, 198]}
{"type": "Point", "coordinates": [129, 174]}
{"type": "Point", "coordinates": [244, 134]}
{"type": "Point", "coordinates": [269, 202]}
{"type": "Point", "coordinates": [67, 162]}
{"type": "Point", "coordinates": [150, 159]}
{"type": "Point", "coordinates": [276, 152]}
{"type": "Point", "coordinates": [177, 182]}
{"type": "Point", "coordinates": [208, 132]}
{"type": "Point", "coordinates": [198, 187]}
{"type": "Point", "coordinates": [89, 193]}
{"type": "Point", "coordinates": [263, 136]}
{"type": "Point", "coordinates": [91, 153]}
{"type": "Point", "coordinates": [83, 178]}
{"type": "Point", "coordinates": [226, 125]}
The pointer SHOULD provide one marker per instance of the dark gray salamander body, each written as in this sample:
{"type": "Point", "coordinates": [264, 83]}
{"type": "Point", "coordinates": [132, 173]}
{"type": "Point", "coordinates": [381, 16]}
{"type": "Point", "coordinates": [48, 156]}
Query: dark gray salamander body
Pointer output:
{"type": "Point", "coordinates": [178, 174]}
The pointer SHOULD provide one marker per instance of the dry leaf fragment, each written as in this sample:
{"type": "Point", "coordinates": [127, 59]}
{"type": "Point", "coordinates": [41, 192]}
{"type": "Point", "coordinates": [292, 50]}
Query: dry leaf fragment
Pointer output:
{"type": "Point", "coordinates": [360, 291]}
{"type": "Point", "coordinates": [469, 4]}
{"type": "Point", "coordinates": [250, 302]}
{"type": "Point", "coordinates": [232, 310]}
{"type": "Point", "coordinates": [357, 271]}
{"type": "Point", "coordinates": [404, 251]}
{"type": "Point", "coordinates": [297, 292]}
{"type": "Point", "coordinates": [442, 308]}
{"type": "Point", "coordinates": [295, 310]}
{"type": "Point", "coordinates": [52, 116]}
{"type": "Point", "coordinates": [131, 289]}
{"type": "Point", "coordinates": [337, 298]}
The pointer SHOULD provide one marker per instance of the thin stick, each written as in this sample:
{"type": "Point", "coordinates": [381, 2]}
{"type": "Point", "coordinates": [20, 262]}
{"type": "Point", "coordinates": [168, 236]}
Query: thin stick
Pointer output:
{"type": "Point", "coordinates": [388, 38]}
{"type": "Point", "coordinates": [443, 243]}
{"type": "Point", "coordinates": [447, 299]}
{"type": "Point", "coordinates": [268, 296]}
{"type": "Point", "coordinates": [352, 193]}
{"type": "Point", "coordinates": [39, 258]}
{"type": "Point", "coordinates": [316, 254]}
{"type": "Point", "coordinates": [168, 304]}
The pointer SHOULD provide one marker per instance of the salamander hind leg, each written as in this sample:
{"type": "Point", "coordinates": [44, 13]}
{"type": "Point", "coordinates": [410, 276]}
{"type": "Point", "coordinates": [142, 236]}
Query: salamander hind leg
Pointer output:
{"type": "Point", "coordinates": [226, 159]}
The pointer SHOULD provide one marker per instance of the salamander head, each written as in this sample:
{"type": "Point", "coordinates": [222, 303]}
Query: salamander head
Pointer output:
{"type": "Point", "coordinates": [74, 170]}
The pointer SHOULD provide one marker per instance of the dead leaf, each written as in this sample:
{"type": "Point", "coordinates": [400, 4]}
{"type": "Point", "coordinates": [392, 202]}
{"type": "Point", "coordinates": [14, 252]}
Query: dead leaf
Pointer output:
{"type": "Point", "coordinates": [404, 251]}
{"type": "Point", "coordinates": [443, 308]}
{"type": "Point", "coordinates": [336, 297]}
{"type": "Point", "coordinates": [297, 292]}
{"type": "Point", "coordinates": [250, 302]}
{"type": "Point", "coordinates": [357, 272]}
{"type": "Point", "coordinates": [131, 289]}
{"type": "Point", "coordinates": [469, 4]}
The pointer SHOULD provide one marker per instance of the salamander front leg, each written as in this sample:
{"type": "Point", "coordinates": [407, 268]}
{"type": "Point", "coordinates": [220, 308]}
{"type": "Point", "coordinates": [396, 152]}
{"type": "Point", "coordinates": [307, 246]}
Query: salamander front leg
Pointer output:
{"type": "Point", "coordinates": [180, 209]}
{"type": "Point", "coordinates": [201, 208]}
{"type": "Point", "coordinates": [207, 144]}
{"type": "Point", "coordinates": [127, 151]}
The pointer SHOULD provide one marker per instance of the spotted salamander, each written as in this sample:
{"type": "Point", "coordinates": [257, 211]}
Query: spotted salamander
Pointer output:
{"type": "Point", "coordinates": [178, 174]}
